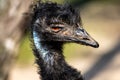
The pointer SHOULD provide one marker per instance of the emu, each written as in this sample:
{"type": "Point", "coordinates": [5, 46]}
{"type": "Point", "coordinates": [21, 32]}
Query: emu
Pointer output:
{"type": "Point", "coordinates": [52, 26]}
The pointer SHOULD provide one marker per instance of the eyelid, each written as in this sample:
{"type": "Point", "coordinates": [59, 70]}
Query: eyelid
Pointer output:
{"type": "Point", "coordinates": [57, 25]}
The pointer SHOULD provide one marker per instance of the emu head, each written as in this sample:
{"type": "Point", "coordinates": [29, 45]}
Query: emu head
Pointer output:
{"type": "Point", "coordinates": [56, 22]}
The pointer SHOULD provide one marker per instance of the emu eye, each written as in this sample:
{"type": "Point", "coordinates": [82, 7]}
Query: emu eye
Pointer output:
{"type": "Point", "coordinates": [56, 28]}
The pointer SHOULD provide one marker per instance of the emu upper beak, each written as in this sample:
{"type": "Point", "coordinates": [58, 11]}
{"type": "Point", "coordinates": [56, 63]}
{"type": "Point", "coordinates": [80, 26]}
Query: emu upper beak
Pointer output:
{"type": "Point", "coordinates": [84, 38]}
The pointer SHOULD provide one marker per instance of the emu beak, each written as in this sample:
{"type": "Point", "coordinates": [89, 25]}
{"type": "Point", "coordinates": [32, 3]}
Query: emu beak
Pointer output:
{"type": "Point", "coordinates": [84, 38]}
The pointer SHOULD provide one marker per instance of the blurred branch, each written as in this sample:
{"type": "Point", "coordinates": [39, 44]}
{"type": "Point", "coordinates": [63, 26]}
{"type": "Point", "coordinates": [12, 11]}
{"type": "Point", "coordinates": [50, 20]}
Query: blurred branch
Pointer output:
{"type": "Point", "coordinates": [4, 5]}
{"type": "Point", "coordinates": [102, 62]}
{"type": "Point", "coordinates": [12, 29]}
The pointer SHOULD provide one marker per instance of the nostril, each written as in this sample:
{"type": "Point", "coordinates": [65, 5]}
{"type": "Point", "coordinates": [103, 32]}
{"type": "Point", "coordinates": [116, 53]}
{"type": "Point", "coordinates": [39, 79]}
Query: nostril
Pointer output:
{"type": "Point", "coordinates": [86, 38]}
{"type": "Point", "coordinates": [80, 33]}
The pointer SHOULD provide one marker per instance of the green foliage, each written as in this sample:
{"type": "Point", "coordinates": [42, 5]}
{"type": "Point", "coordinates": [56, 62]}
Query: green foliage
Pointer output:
{"type": "Point", "coordinates": [83, 2]}
{"type": "Point", "coordinates": [25, 53]}
{"type": "Point", "coordinates": [72, 50]}
{"type": "Point", "coordinates": [58, 1]}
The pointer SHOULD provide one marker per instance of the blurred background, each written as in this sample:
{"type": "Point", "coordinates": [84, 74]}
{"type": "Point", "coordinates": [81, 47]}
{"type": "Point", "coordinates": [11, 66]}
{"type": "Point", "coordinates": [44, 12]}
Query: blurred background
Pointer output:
{"type": "Point", "coordinates": [101, 19]}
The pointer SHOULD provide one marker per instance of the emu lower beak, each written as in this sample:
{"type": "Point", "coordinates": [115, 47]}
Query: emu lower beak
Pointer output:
{"type": "Point", "coordinates": [84, 38]}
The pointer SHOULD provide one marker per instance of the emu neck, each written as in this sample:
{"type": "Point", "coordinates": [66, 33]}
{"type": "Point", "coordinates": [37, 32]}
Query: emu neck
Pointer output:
{"type": "Point", "coordinates": [49, 51]}
{"type": "Point", "coordinates": [51, 61]}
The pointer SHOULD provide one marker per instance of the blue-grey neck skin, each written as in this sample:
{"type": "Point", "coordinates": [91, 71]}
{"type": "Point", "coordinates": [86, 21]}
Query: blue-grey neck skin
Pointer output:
{"type": "Point", "coordinates": [44, 53]}
{"type": "Point", "coordinates": [38, 45]}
